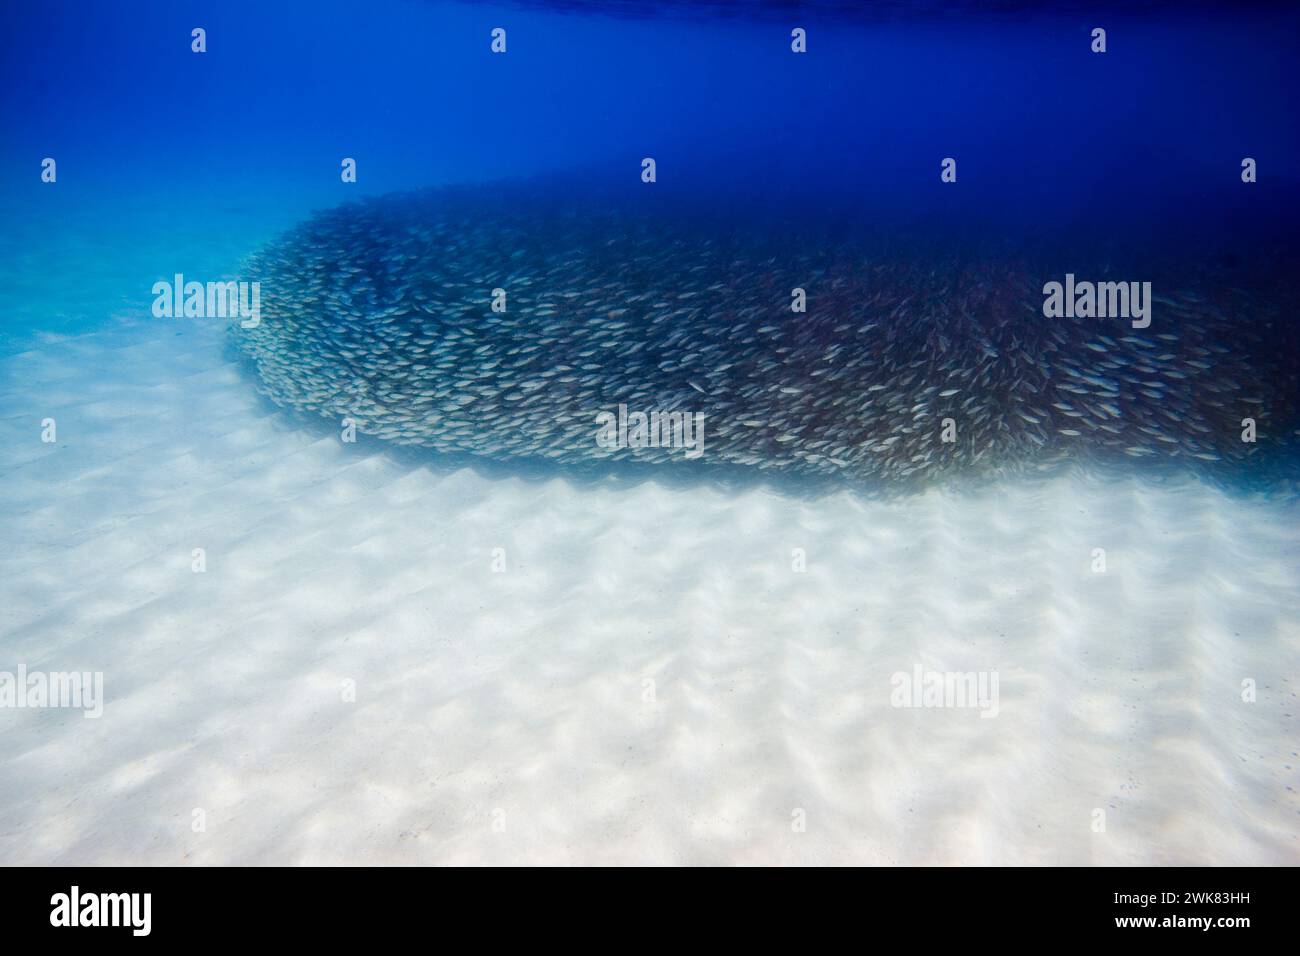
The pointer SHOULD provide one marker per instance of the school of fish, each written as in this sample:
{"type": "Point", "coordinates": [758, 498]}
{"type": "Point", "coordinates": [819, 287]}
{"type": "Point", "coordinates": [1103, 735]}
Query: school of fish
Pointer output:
{"type": "Point", "coordinates": [381, 312]}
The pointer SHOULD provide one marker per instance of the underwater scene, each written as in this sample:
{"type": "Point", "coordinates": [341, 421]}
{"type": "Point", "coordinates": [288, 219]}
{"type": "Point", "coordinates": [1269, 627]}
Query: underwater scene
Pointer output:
{"type": "Point", "coordinates": [724, 433]}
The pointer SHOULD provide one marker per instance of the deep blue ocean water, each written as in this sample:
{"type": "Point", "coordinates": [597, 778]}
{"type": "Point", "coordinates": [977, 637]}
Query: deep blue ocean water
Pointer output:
{"type": "Point", "coordinates": [1049, 136]}
{"type": "Point", "coordinates": [171, 161]}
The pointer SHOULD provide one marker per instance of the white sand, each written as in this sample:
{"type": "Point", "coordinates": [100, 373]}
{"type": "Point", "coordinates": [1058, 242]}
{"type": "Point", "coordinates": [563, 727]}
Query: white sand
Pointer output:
{"type": "Point", "coordinates": [504, 717]}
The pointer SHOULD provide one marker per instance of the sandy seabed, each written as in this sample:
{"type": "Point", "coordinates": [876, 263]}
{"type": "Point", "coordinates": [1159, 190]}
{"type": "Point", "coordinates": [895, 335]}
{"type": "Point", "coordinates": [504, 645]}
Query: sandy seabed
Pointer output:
{"type": "Point", "coordinates": [648, 681]}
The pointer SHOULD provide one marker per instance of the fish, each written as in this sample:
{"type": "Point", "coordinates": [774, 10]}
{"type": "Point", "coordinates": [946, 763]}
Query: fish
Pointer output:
{"type": "Point", "coordinates": [498, 321]}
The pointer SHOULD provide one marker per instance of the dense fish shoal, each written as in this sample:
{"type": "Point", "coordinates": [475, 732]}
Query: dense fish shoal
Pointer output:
{"type": "Point", "coordinates": [502, 323]}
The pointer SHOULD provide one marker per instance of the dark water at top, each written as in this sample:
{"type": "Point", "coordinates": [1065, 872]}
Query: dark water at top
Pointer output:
{"type": "Point", "coordinates": [1047, 134]}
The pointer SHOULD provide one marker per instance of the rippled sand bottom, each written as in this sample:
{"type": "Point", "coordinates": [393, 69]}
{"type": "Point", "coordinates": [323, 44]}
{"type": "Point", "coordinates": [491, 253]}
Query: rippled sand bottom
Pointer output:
{"type": "Point", "coordinates": [648, 681]}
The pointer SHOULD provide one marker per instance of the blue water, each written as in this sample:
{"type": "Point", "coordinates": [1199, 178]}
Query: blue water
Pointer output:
{"type": "Point", "coordinates": [174, 161]}
{"type": "Point", "coordinates": [1048, 135]}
